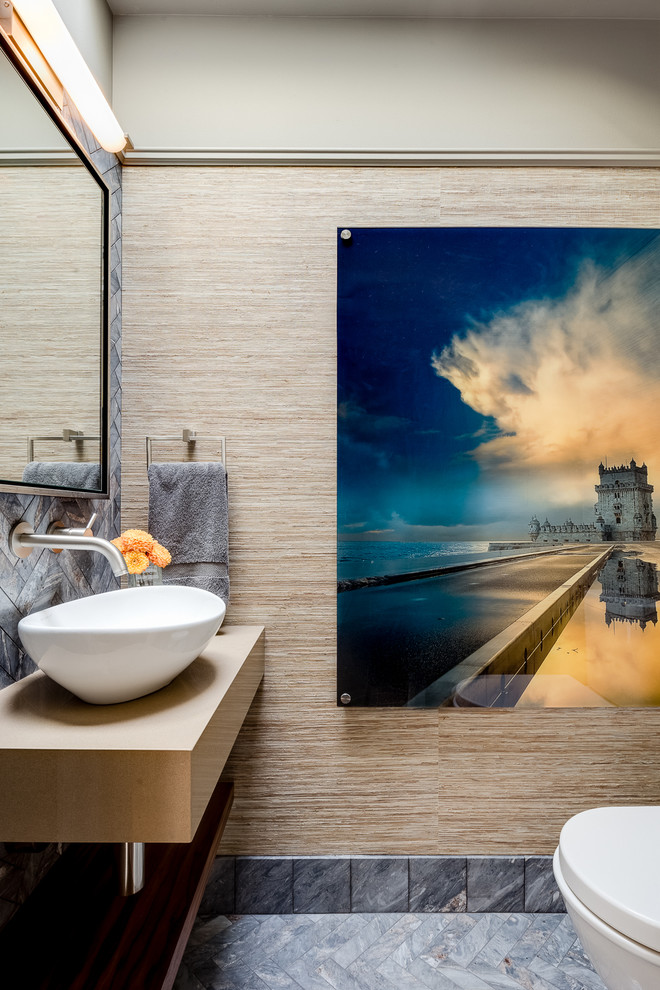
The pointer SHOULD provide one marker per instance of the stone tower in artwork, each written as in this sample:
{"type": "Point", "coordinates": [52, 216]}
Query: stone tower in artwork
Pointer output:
{"type": "Point", "coordinates": [624, 509]}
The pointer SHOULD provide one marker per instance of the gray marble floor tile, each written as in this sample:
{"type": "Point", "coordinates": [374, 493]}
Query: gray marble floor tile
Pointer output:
{"type": "Point", "coordinates": [368, 977]}
{"type": "Point", "coordinates": [228, 953]}
{"type": "Point", "coordinates": [493, 976]}
{"type": "Point", "coordinates": [238, 928]}
{"type": "Point", "coordinates": [559, 943]}
{"type": "Point", "coordinates": [430, 977]}
{"type": "Point", "coordinates": [391, 939]}
{"type": "Point", "coordinates": [315, 938]}
{"type": "Point", "coordinates": [511, 932]}
{"type": "Point", "coordinates": [465, 979]}
{"type": "Point", "coordinates": [348, 952]}
{"type": "Point", "coordinates": [337, 976]}
{"type": "Point", "coordinates": [552, 975]}
{"type": "Point", "coordinates": [304, 973]}
{"type": "Point", "coordinates": [274, 977]}
{"type": "Point", "coordinates": [446, 941]}
{"type": "Point", "coordinates": [379, 883]}
{"type": "Point", "coordinates": [576, 953]}
{"type": "Point", "coordinates": [186, 980]}
{"type": "Point", "coordinates": [402, 978]}
{"type": "Point", "coordinates": [420, 940]}
{"type": "Point", "coordinates": [204, 970]}
{"type": "Point", "coordinates": [437, 883]}
{"type": "Point", "coordinates": [264, 885]}
{"type": "Point", "coordinates": [584, 976]}
{"type": "Point", "coordinates": [535, 937]}
{"type": "Point", "coordinates": [541, 890]}
{"type": "Point", "coordinates": [416, 952]}
{"type": "Point", "coordinates": [333, 940]}
{"type": "Point", "coordinates": [524, 976]}
{"type": "Point", "coordinates": [322, 886]}
{"type": "Point", "coordinates": [476, 939]}
{"type": "Point", "coordinates": [495, 883]}
{"type": "Point", "coordinates": [238, 977]}
{"type": "Point", "coordinates": [288, 934]}
{"type": "Point", "coordinates": [385, 921]}
{"type": "Point", "coordinates": [207, 929]}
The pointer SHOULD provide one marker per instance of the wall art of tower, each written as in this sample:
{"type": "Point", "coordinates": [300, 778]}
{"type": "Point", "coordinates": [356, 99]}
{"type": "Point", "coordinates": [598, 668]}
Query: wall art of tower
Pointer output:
{"type": "Point", "coordinates": [625, 506]}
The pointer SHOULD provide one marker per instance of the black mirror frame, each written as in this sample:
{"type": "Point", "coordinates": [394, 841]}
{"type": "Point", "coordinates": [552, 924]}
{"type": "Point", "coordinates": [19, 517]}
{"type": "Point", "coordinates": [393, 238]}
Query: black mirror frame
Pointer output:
{"type": "Point", "coordinates": [53, 112]}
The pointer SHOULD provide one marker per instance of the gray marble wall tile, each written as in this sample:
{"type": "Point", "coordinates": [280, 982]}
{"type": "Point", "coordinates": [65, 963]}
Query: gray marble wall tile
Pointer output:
{"type": "Point", "coordinates": [437, 883]}
{"type": "Point", "coordinates": [322, 886]}
{"type": "Point", "coordinates": [379, 883]}
{"type": "Point", "coordinates": [264, 885]}
{"type": "Point", "coordinates": [495, 883]}
{"type": "Point", "coordinates": [541, 890]}
{"type": "Point", "coordinates": [220, 893]}
{"type": "Point", "coordinates": [44, 579]}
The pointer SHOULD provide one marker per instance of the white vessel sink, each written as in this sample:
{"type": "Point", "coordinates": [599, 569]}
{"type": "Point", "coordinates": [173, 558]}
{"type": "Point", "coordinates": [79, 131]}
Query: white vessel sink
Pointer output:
{"type": "Point", "coordinates": [122, 644]}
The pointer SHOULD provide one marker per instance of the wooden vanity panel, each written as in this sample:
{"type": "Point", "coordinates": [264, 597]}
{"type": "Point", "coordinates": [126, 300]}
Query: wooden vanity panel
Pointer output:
{"type": "Point", "coordinates": [90, 796]}
{"type": "Point", "coordinates": [141, 771]}
{"type": "Point", "coordinates": [217, 740]}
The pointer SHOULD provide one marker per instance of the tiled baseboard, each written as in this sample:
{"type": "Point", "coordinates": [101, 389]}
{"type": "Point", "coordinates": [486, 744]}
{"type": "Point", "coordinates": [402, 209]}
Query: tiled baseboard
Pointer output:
{"type": "Point", "coordinates": [338, 884]}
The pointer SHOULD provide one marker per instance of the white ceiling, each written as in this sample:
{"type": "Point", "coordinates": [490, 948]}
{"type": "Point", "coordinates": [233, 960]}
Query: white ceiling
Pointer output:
{"type": "Point", "coordinates": [628, 9]}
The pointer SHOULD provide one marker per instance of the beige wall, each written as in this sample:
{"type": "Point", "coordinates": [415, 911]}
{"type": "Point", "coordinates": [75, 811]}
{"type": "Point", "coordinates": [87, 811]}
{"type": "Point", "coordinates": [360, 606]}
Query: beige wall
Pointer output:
{"type": "Point", "coordinates": [229, 328]}
{"type": "Point", "coordinates": [378, 85]}
{"type": "Point", "coordinates": [90, 24]}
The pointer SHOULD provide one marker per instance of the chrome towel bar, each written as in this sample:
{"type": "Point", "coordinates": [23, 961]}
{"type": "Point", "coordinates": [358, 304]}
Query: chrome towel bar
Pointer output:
{"type": "Point", "coordinates": [187, 437]}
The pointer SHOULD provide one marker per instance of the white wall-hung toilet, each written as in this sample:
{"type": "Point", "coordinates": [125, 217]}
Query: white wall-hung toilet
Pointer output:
{"type": "Point", "coordinates": [607, 867]}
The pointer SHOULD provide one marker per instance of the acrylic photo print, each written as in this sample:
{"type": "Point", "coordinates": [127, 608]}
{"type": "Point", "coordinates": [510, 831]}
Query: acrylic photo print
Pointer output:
{"type": "Point", "coordinates": [498, 463]}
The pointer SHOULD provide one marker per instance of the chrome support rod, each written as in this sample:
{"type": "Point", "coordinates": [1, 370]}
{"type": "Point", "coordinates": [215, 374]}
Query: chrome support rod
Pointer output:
{"type": "Point", "coordinates": [131, 868]}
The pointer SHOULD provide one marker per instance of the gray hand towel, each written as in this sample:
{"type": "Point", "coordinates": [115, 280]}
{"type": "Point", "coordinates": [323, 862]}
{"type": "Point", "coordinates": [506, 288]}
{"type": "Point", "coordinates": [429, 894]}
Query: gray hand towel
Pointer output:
{"type": "Point", "coordinates": [64, 474]}
{"type": "Point", "coordinates": [188, 514]}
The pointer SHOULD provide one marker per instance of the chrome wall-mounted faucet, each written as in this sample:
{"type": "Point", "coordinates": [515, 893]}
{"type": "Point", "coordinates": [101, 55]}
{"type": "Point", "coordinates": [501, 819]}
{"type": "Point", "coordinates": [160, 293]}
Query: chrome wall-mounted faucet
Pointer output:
{"type": "Point", "coordinates": [23, 540]}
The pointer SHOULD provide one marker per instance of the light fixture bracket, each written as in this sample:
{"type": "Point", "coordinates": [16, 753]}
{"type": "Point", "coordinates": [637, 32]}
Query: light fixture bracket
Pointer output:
{"type": "Point", "coordinates": [6, 16]}
{"type": "Point", "coordinates": [29, 52]}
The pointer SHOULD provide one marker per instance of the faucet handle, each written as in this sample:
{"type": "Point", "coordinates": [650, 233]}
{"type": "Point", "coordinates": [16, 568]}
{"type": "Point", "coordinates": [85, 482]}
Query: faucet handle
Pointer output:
{"type": "Point", "coordinates": [57, 527]}
{"type": "Point", "coordinates": [90, 523]}
{"type": "Point", "coordinates": [84, 530]}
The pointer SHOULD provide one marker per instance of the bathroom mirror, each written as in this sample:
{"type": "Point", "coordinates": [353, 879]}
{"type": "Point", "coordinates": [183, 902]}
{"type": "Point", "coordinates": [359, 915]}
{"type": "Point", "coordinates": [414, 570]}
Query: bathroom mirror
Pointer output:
{"type": "Point", "coordinates": [54, 217]}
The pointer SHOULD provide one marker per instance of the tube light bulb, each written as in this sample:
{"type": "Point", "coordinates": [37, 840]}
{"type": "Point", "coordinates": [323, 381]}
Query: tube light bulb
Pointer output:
{"type": "Point", "coordinates": [59, 49]}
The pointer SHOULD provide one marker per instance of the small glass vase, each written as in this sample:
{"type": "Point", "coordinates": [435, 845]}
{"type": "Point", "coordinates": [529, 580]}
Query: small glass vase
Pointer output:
{"type": "Point", "coordinates": [147, 579]}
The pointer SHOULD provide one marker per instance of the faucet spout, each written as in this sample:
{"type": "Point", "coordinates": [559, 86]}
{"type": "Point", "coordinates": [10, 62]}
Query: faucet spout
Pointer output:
{"type": "Point", "coordinates": [23, 540]}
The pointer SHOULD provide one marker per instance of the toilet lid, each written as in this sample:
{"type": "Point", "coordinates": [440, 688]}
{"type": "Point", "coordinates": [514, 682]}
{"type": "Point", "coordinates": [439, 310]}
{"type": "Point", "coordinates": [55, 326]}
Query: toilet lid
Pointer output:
{"type": "Point", "coordinates": [610, 858]}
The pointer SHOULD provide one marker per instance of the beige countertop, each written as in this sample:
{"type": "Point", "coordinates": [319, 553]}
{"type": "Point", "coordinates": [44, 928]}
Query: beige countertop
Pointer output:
{"type": "Point", "coordinates": [140, 771]}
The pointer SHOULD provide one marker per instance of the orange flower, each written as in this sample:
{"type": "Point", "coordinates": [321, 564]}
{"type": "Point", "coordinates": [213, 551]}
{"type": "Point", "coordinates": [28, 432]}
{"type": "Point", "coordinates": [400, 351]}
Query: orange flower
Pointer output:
{"type": "Point", "coordinates": [136, 561]}
{"type": "Point", "coordinates": [140, 549]}
{"type": "Point", "coordinates": [136, 539]}
{"type": "Point", "coordinates": [159, 556]}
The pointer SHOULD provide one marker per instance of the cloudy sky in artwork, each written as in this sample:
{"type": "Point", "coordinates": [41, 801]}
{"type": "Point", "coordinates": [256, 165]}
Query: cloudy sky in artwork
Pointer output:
{"type": "Point", "coordinates": [483, 374]}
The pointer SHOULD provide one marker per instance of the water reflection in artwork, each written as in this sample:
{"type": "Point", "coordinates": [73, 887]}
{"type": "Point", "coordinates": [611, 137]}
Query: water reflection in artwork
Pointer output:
{"type": "Point", "coordinates": [610, 650]}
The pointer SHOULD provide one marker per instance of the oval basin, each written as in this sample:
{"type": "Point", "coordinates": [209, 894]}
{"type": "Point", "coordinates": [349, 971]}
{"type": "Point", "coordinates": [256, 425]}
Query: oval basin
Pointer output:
{"type": "Point", "coordinates": [124, 644]}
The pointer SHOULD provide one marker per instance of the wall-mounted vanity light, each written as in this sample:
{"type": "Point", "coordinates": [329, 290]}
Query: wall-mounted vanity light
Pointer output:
{"type": "Point", "coordinates": [60, 51]}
